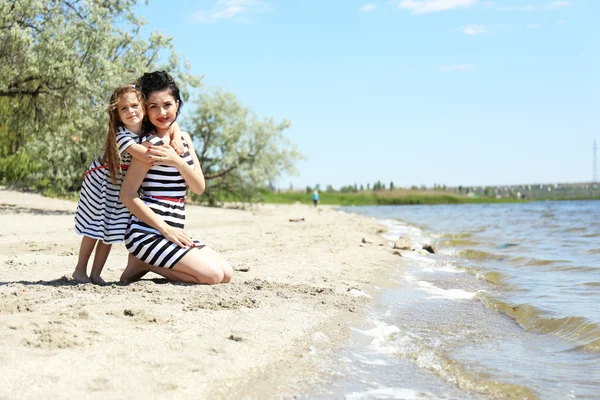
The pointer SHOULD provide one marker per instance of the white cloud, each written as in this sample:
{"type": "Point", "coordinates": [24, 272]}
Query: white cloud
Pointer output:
{"type": "Point", "coordinates": [238, 11]}
{"type": "Point", "coordinates": [517, 8]}
{"type": "Point", "coordinates": [457, 67]}
{"type": "Point", "coordinates": [427, 6]}
{"type": "Point", "coordinates": [548, 6]}
{"type": "Point", "coordinates": [557, 4]}
{"type": "Point", "coordinates": [473, 29]}
{"type": "Point", "coordinates": [368, 7]}
{"type": "Point", "coordinates": [560, 22]}
{"type": "Point", "coordinates": [533, 26]}
{"type": "Point", "coordinates": [488, 4]}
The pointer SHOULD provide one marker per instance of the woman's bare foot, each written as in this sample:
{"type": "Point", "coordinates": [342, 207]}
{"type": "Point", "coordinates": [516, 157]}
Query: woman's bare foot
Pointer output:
{"type": "Point", "coordinates": [97, 280]}
{"type": "Point", "coordinates": [133, 272]}
{"type": "Point", "coordinates": [81, 276]}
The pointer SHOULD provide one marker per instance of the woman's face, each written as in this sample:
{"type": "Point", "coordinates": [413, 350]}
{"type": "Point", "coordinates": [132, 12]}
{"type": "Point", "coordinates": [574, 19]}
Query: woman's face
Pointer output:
{"type": "Point", "coordinates": [161, 109]}
{"type": "Point", "coordinates": [130, 111]}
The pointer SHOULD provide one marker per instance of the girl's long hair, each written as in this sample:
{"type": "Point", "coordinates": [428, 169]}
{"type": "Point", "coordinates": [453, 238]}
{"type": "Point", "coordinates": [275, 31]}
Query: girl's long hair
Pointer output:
{"type": "Point", "coordinates": [112, 156]}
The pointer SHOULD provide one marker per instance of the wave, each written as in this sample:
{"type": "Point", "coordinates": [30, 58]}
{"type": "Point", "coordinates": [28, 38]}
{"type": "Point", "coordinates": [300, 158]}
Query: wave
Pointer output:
{"type": "Point", "coordinates": [574, 229]}
{"type": "Point", "coordinates": [390, 339]}
{"type": "Point", "coordinates": [590, 284]}
{"type": "Point", "coordinates": [494, 277]}
{"type": "Point", "coordinates": [458, 242]}
{"type": "Point", "coordinates": [591, 235]}
{"type": "Point", "coordinates": [478, 255]}
{"type": "Point", "coordinates": [578, 330]}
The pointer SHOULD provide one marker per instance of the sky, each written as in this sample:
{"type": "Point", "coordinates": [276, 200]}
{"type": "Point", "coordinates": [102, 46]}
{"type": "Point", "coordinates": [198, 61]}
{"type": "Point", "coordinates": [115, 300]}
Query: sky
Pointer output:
{"type": "Point", "coordinates": [415, 92]}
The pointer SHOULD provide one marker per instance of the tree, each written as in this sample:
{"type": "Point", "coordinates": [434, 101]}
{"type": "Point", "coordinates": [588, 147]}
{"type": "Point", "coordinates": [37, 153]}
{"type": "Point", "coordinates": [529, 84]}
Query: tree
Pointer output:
{"type": "Point", "coordinates": [392, 185]}
{"type": "Point", "coordinates": [59, 62]}
{"type": "Point", "coordinates": [239, 151]}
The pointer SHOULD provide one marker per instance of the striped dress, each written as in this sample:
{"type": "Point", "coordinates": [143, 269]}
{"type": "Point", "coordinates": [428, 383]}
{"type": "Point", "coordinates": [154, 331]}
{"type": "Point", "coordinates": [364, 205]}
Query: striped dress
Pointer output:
{"type": "Point", "coordinates": [164, 192]}
{"type": "Point", "coordinates": [100, 213]}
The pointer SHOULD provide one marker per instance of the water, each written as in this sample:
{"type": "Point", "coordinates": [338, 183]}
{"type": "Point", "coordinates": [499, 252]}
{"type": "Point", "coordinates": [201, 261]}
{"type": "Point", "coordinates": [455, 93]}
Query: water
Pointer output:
{"type": "Point", "coordinates": [508, 308]}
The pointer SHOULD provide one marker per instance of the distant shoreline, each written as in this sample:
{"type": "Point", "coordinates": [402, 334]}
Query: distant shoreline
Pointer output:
{"type": "Point", "coordinates": [406, 198]}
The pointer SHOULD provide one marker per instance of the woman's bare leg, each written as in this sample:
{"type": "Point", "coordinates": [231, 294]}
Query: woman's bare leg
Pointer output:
{"type": "Point", "coordinates": [197, 266]}
{"type": "Point", "coordinates": [85, 251]}
{"type": "Point", "coordinates": [136, 269]}
{"type": "Point", "coordinates": [205, 265]}
{"type": "Point", "coordinates": [102, 252]}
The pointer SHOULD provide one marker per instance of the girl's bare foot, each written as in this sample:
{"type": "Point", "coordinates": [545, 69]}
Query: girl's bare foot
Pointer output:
{"type": "Point", "coordinates": [81, 276]}
{"type": "Point", "coordinates": [97, 280]}
{"type": "Point", "coordinates": [133, 272]}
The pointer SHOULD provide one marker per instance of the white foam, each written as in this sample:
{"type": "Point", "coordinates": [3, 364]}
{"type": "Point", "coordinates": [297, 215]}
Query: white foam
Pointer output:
{"type": "Point", "coordinates": [320, 337]}
{"type": "Point", "coordinates": [367, 361]}
{"type": "Point", "coordinates": [398, 228]}
{"type": "Point", "coordinates": [387, 393]}
{"type": "Point", "coordinates": [358, 293]}
{"type": "Point", "coordinates": [381, 333]}
{"type": "Point", "coordinates": [417, 257]}
{"type": "Point", "coordinates": [444, 266]}
{"type": "Point", "coordinates": [437, 292]}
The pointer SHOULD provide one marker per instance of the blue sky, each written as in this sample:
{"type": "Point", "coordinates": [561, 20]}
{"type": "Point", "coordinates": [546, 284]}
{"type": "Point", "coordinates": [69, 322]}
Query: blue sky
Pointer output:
{"type": "Point", "coordinates": [455, 92]}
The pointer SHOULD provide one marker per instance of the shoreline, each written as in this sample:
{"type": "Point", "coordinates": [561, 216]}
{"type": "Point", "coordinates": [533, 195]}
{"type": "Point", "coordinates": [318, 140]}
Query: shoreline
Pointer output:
{"type": "Point", "coordinates": [250, 338]}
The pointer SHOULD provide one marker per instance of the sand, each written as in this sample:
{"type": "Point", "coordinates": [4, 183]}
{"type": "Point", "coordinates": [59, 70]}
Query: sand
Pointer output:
{"type": "Point", "coordinates": [293, 298]}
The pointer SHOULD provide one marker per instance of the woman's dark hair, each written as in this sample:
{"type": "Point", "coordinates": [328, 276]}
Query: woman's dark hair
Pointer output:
{"type": "Point", "coordinates": [158, 81]}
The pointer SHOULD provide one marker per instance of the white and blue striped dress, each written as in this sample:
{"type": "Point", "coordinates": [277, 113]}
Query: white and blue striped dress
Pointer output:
{"type": "Point", "coordinates": [100, 213]}
{"type": "Point", "coordinates": [164, 192]}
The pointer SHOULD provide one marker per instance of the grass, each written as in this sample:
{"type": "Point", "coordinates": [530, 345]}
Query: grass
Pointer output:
{"type": "Point", "coordinates": [394, 197]}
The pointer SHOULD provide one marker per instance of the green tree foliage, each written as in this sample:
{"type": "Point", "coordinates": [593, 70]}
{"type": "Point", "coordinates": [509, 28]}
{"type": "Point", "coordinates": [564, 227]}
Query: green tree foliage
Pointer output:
{"type": "Point", "coordinates": [238, 151]}
{"type": "Point", "coordinates": [59, 62]}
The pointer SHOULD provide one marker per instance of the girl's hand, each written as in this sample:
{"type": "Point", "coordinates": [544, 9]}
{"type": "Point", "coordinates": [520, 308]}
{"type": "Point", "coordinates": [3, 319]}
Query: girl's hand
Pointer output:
{"type": "Point", "coordinates": [163, 155]}
{"type": "Point", "coordinates": [177, 145]}
{"type": "Point", "coordinates": [177, 236]}
{"type": "Point", "coordinates": [176, 142]}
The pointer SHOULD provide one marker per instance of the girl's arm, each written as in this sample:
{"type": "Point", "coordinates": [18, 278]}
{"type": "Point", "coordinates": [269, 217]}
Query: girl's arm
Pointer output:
{"type": "Point", "coordinates": [139, 152]}
{"type": "Point", "coordinates": [126, 143]}
{"type": "Point", "coordinates": [129, 197]}
{"type": "Point", "coordinates": [176, 142]}
{"type": "Point", "coordinates": [165, 155]}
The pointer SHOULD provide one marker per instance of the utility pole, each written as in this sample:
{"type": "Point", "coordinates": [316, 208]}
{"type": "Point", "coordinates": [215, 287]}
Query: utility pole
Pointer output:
{"type": "Point", "coordinates": [595, 166]}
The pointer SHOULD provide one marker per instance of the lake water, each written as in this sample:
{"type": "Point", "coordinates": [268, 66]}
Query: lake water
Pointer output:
{"type": "Point", "coordinates": [508, 308]}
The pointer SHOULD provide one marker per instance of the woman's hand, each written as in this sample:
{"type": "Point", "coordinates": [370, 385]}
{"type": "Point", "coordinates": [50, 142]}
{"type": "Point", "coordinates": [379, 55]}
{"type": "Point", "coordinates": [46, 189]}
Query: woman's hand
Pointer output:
{"type": "Point", "coordinates": [177, 236]}
{"type": "Point", "coordinates": [163, 155]}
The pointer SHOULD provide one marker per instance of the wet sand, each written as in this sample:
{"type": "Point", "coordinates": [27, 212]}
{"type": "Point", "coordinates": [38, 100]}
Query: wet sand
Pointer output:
{"type": "Point", "coordinates": [295, 290]}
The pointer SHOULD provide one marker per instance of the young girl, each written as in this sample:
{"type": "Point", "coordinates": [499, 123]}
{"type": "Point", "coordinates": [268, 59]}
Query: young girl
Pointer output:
{"type": "Point", "coordinates": [101, 217]}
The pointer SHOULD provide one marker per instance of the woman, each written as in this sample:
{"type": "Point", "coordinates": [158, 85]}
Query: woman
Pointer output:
{"type": "Point", "coordinates": [155, 234]}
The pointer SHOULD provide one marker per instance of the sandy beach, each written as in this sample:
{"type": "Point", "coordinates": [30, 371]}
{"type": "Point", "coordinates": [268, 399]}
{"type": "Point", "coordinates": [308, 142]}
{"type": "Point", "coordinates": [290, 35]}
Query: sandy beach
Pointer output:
{"type": "Point", "coordinates": [294, 291]}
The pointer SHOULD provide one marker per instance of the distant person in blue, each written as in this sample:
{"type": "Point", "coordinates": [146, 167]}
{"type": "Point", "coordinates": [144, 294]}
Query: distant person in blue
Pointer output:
{"type": "Point", "coordinates": [315, 197]}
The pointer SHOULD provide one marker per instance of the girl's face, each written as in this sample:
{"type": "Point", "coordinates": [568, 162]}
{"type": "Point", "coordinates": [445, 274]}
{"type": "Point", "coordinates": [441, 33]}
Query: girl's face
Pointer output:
{"type": "Point", "coordinates": [162, 109]}
{"type": "Point", "coordinates": [131, 112]}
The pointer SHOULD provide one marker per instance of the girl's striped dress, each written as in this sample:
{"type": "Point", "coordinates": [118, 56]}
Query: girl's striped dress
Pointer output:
{"type": "Point", "coordinates": [100, 213]}
{"type": "Point", "coordinates": [164, 192]}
